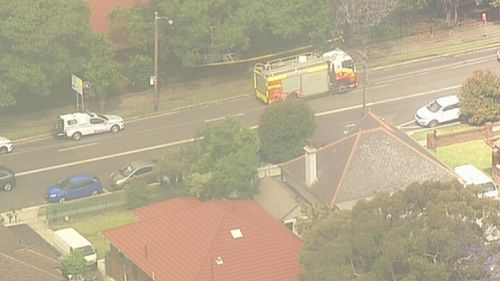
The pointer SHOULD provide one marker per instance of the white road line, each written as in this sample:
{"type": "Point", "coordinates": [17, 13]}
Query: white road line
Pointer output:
{"type": "Point", "coordinates": [405, 123]}
{"type": "Point", "coordinates": [388, 100]}
{"type": "Point", "coordinates": [215, 119]}
{"type": "Point", "coordinates": [76, 147]}
{"type": "Point", "coordinates": [103, 157]}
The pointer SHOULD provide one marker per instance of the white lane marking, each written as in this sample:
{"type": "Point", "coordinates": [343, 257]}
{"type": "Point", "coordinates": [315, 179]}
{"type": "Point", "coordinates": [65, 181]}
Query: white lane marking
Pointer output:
{"type": "Point", "coordinates": [103, 157]}
{"type": "Point", "coordinates": [215, 119]}
{"type": "Point", "coordinates": [387, 100]}
{"type": "Point", "coordinates": [405, 124]}
{"type": "Point", "coordinates": [77, 147]}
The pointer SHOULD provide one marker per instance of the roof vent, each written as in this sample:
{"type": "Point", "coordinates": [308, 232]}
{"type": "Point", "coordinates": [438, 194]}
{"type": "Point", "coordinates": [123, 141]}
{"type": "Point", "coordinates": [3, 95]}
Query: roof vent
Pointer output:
{"type": "Point", "coordinates": [236, 233]}
{"type": "Point", "coordinates": [219, 261]}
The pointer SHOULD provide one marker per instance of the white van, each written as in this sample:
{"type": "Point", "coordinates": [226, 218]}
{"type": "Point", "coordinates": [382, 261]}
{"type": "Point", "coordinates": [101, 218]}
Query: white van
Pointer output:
{"type": "Point", "coordinates": [76, 125]}
{"type": "Point", "coordinates": [68, 240]}
{"type": "Point", "coordinates": [470, 175]}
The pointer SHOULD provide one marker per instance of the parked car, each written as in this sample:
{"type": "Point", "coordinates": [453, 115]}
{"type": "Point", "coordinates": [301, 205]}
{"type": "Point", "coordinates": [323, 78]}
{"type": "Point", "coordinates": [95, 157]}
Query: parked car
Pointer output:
{"type": "Point", "coordinates": [441, 110]}
{"type": "Point", "coordinates": [7, 179]}
{"type": "Point", "coordinates": [73, 187]}
{"type": "Point", "coordinates": [5, 145]}
{"type": "Point", "coordinates": [127, 174]}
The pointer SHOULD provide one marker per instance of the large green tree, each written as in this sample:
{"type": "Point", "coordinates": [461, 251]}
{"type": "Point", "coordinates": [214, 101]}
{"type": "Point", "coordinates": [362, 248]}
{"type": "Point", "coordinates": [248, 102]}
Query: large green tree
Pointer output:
{"type": "Point", "coordinates": [284, 129]}
{"type": "Point", "coordinates": [430, 231]}
{"type": "Point", "coordinates": [480, 97]}
{"type": "Point", "coordinates": [41, 44]}
{"type": "Point", "coordinates": [226, 166]}
{"type": "Point", "coordinates": [205, 28]}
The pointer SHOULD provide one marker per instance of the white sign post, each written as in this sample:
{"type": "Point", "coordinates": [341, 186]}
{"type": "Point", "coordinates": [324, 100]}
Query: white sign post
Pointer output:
{"type": "Point", "coordinates": [77, 86]}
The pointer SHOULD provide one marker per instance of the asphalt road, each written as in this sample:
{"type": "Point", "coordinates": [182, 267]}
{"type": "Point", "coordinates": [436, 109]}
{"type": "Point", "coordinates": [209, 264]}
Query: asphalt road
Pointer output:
{"type": "Point", "coordinates": [393, 92]}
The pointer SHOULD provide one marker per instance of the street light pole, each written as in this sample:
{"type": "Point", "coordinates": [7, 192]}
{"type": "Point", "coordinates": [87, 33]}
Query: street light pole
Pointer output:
{"type": "Point", "coordinates": [157, 93]}
{"type": "Point", "coordinates": [157, 80]}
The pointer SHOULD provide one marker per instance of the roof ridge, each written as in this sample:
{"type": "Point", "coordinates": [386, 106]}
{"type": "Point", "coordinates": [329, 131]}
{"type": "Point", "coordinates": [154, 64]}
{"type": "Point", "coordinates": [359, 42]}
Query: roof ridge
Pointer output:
{"type": "Point", "coordinates": [169, 213]}
{"type": "Point", "coordinates": [212, 241]}
{"type": "Point", "coordinates": [344, 171]}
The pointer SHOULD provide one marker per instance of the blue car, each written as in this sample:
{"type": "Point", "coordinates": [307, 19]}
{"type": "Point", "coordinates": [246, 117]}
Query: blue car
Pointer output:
{"type": "Point", "coordinates": [76, 186]}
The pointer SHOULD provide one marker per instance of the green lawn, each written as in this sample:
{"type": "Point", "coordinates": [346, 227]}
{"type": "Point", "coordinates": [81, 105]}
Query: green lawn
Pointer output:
{"type": "Point", "coordinates": [474, 152]}
{"type": "Point", "coordinates": [92, 227]}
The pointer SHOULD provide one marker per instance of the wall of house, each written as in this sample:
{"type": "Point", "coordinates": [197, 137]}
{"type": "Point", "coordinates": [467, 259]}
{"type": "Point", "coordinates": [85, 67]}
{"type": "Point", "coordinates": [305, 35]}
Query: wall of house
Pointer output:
{"type": "Point", "coordinates": [122, 269]}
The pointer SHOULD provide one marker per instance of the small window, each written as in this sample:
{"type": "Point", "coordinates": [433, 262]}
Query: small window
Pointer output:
{"type": "Point", "coordinates": [72, 122]}
{"type": "Point", "coordinates": [96, 121]}
{"type": "Point", "coordinates": [450, 107]}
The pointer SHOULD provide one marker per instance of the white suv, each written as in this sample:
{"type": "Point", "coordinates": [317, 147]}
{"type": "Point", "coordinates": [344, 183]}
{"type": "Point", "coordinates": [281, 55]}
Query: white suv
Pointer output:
{"type": "Point", "coordinates": [5, 145]}
{"type": "Point", "coordinates": [441, 110]}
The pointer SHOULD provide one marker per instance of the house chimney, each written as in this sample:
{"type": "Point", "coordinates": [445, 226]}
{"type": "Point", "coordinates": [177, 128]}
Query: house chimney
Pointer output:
{"type": "Point", "coordinates": [310, 158]}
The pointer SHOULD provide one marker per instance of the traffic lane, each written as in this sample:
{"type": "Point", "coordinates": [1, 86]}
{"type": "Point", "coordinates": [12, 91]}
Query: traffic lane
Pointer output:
{"type": "Point", "coordinates": [395, 84]}
{"type": "Point", "coordinates": [168, 127]}
{"type": "Point", "coordinates": [470, 57]}
{"type": "Point", "coordinates": [31, 188]}
{"type": "Point", "coordinates": [332, 127]}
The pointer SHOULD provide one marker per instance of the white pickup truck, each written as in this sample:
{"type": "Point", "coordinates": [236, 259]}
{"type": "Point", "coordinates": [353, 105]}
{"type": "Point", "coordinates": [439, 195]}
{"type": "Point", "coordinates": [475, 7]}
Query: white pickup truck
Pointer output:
{"type": "Point", "coordinates": [76, 125]}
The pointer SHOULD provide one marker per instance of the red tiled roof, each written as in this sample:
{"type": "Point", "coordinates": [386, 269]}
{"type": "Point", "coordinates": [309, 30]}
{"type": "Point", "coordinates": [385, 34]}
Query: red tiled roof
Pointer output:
{"type": "Point", "coordinates": [100, 9]}
{"type": "Point", "coordinates": [185, 243]}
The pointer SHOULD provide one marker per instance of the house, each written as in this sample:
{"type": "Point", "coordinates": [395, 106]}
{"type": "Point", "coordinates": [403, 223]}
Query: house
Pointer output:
{"type": "Point", "coordinates": [100, 9]}
{"type": "Point", "coordinates": [373, 157]}
{"type": "Point", "coordinates": [24, 256]}
{"type": "Point", "coordinates": [185, 239]}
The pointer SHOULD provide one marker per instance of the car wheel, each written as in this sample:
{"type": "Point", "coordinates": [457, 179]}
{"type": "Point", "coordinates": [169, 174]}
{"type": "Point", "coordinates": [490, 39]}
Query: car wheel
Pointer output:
{"type": "Point", "coordinates": [433, 124]}
{"type": "Point", "coordinates": [115, 129]}
{"type": "Point", "coordinates": [62, 199]}
{"type": "Point", "coordinates": [7, 186]}
{"type": "Point", "coordinates": [77, 136]}
{"type": "Point", "coordinates": [3, 150]}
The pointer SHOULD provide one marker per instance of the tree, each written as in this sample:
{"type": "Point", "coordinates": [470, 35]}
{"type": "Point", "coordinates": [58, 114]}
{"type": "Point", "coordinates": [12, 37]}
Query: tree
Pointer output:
{"type": "Point", "coordinates": [217, 27]}
{"type": "Point", "coordinates": [41, 44]}
{"type": "Point", "coordinates": [355, 15]}
{"type": "Point", "coordinates": [480, 97]}
{"type": "Point", "coordinates": [284, 129]}
{"type": "Point", "coordinates": [430, 231]}
{"type": "Point", "coordinates": [226, 166]}
{"type": "Point", "coordinates": [74, 265]}
{"type": "Point", "coordinates": [311, 215]}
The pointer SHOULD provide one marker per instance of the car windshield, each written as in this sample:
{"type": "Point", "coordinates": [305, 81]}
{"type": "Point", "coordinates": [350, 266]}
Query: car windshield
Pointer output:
{"type": "Point", "coordinates": [433, 106]}
{"type": "Point", "coordinates": [103, 117]}
{"type": "Point", "coordinates": [86, 250]}
{"type": "Point", "coordinates": [64, 184]}
{"type": "Point", "coordinates": [126, 171]}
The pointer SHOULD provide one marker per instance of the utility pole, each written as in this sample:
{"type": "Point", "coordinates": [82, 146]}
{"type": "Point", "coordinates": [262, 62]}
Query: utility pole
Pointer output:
{"type": "Point", "coordinates": [156, 78]}
{"type": "Point", "coordinates": [364, 88]}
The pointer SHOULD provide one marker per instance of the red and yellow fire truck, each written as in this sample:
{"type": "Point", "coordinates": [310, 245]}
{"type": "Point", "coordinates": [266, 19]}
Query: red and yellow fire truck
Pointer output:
{"type": "Point", "coordinates": [304, 75]}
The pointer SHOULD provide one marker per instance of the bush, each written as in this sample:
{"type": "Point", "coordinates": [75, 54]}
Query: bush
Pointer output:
{"type": "Point", "coordinates": [480, 97]}
{"type": "Point", "coordinates": [137, 195]}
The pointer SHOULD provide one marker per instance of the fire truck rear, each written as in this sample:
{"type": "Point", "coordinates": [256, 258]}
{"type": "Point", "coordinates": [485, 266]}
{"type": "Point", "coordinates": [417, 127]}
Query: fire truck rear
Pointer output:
{"type": "Point", "coordinates": [304, 75]}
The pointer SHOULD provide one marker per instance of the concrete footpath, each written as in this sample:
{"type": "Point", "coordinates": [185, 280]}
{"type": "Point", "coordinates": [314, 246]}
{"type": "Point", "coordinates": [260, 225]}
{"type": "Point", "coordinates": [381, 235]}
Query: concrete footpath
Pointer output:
{"type": "Point", "coordinates": [39, 224]}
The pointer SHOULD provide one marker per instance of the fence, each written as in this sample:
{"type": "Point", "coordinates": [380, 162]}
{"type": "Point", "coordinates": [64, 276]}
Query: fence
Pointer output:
{"type": "Point", "coordinates": [486, 132]}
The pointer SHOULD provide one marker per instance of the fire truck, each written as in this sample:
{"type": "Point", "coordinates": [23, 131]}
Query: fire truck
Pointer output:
{"type": "Point", "coordinates": [304, 75]}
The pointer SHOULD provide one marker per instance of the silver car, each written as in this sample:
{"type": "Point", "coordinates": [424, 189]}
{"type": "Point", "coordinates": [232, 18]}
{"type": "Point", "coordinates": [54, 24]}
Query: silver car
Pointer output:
{"type": "Point", "coordinates": [130, 172]}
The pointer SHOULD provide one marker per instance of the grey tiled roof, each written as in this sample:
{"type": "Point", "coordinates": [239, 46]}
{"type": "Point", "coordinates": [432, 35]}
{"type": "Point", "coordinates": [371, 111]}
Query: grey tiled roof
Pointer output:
{"type": "Point", "coordinates": [374, 157]}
